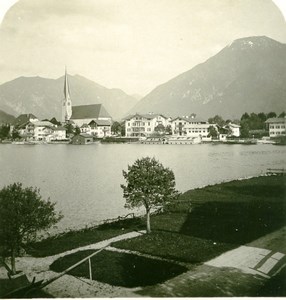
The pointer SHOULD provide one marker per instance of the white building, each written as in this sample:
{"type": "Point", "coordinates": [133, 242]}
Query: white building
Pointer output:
{"type": "Point", "coordinates": [42, 131]}
{"type": "Point", "coordinates": [276, 126]}
{"type": "Point", "coordinates": [98, 128]}
{"type": "Point", "coordinates": [142, 125]}
{"type": "Point", "coordinates": [233, 128]}
{"type": "Point", "coordinates": [190, 126]}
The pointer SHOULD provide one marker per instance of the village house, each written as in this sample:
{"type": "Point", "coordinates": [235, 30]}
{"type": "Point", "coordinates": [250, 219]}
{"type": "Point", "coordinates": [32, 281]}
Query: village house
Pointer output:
{"type": "Point", "coordinates": [82, 139]}
{"type": "Point", "coordinates": [234, 129]}
{"type": "Point", "coordinates": [276, 126]}
{"type": "Point", "coordinates": [98, 128]}
{"type": "Point", "coordinates": [190, 126]}
{"type": "Point", "coordinates": [143, 125]}
{"type": "Point", "coordinates": [41, 131]}
{"type": "Point", "coordinates": [23, 119]}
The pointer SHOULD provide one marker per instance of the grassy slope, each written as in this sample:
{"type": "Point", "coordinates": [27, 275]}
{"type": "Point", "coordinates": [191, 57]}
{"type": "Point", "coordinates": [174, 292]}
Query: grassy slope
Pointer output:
{"type": "Point", "coordinates": [222, 217]}
{"type": "Point", "coordinates": [75, 239]}
{"type": "Point", "coordinates": [226, 214]}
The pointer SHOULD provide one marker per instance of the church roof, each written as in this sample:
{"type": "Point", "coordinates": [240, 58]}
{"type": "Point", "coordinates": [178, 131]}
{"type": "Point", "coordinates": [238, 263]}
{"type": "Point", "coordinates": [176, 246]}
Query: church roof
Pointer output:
{"type": "Point", "coordinates": [89, 112]}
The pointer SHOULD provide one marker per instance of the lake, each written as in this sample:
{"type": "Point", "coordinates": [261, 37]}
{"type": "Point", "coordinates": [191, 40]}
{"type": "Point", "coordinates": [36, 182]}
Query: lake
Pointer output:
{"type": "Point", "coordinates": [85, 181]}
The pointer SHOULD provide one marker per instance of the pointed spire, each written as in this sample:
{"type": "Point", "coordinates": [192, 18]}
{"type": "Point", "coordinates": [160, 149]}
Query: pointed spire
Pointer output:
{"type": "Point", "coordinates": [66, 85]}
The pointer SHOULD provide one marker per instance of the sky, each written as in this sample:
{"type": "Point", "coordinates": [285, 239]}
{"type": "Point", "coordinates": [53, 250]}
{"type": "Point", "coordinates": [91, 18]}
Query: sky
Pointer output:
{"type": "Point", "coordinates": [134, 45]}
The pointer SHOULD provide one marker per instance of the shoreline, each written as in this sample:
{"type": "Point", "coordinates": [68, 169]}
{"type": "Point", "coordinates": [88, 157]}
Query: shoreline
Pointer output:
{"type": "Point", "coordinates": [96, 224]}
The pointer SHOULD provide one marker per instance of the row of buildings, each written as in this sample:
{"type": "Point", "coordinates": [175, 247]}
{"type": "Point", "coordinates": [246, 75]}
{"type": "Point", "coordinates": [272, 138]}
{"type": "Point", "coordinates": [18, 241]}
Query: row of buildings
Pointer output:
{"type": "Point", "coordinates": [94, 121]}
{"type": "Point", "coordinates": [143, 125]}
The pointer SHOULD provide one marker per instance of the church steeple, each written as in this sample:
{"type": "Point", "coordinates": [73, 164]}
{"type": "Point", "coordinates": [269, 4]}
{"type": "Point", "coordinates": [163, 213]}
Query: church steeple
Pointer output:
{"type": "Point", "coordinates": [67, 104]}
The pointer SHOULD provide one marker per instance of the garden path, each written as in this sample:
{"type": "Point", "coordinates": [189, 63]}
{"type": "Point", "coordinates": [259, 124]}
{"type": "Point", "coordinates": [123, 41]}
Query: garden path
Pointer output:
{"type": "Point", "coordinates": [69, 286]}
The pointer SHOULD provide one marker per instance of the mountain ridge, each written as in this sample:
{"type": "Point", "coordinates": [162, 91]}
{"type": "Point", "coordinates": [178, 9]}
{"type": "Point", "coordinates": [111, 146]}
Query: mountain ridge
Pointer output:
{"type": "Point", "coordinates": [43, 96]}
{"type": "Point", "coordinates": [241, 77]}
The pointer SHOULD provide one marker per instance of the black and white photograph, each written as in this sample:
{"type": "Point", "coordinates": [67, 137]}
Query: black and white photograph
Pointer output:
{"type": "Point", "coordinates": [142, 148]}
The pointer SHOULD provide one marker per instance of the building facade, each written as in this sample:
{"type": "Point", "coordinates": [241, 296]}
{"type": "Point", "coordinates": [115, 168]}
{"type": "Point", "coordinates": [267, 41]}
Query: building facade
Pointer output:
{"type": "Point", "coordinates": [97, 128]}
{"type": "Point", "coordinates": [276, 126]}
{"type": "Point", "coordinates": [142, 125]}
{"type": "Point", "coordinates": [190, 126]}
{"type": "Point", "coordinates": [42, 131]}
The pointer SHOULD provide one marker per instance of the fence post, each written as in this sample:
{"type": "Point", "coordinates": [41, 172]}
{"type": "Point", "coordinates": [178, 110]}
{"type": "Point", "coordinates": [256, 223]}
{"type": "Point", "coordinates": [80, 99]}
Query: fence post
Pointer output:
{"type": "Point", "coordinates": [90, 271]}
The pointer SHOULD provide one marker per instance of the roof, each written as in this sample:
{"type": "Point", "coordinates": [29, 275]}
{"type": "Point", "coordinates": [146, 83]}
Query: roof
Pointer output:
{"type": "Point", "coordinates": [92, 111]}
{"type": "Point", "coordinates": [85, 135]}
{"type": "Point", "coordinates": [59, 128]}
{"type": "Point", "coordinates": [102, 122]}
{"type": "Point", "coordinates": [149, 116]}
{"type": "Point", "coordinates": [276, 120]}
{"type": "Point", "coordinates": [43, 123]}
{"type": "Point", "coordinates": [190, 119]}
{"type": "Point", "coordinates": [23, 118]}
{"type": "Point", "coordinates": [233, 125]}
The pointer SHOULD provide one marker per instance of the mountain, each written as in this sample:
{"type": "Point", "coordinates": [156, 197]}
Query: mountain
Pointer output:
{"type": "Point", "coordinates": [5, 118]}
{"type": "Point", "coordinates": [248, 75]}
{"type": "Point", "coordinates": [43, 97]}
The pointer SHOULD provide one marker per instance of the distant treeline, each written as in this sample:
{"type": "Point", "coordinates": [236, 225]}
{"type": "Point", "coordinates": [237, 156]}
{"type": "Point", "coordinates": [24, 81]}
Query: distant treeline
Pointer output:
{"type": "Point", "coordinates": [251, 124]}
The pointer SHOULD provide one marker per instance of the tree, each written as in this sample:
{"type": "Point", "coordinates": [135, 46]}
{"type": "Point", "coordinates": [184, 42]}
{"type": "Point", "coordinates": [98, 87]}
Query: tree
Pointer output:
{"type": "Point", "coordinates": [262, 117]}
{"type": "Point", "coordinates": [168, 129]}
{"type": "Point", "coordinates": [69, 128]}
{"type": "Point", "coordinates": [77, 130]}
{"type": "Point", "coordinates": [123, 131]}
{"type": "Point", "coordinates": [244, 130]}
{"type": "Point", "coordinates": [160, 128]}
{"type": "Point", "coordinates": [148, 184]}
{"type": "Point", "coordinates": [4, 131]}
{"type": "Point", "coordinates": [271, 115]}
{"type": "Point", "coordinates": [23, 212]}
{"type": "Point", "coordinates": [282, 115]}
{"type": "Point", "coordinates": [245, 116]}
{"type": "Point", "coordinates": [213, 132]}
{"type": "Point", "coordinates": [217, 120]}
{"type": "Point", "coordinates": [15, 134]}
{"type": "Point", "coordinates": [116, 128]}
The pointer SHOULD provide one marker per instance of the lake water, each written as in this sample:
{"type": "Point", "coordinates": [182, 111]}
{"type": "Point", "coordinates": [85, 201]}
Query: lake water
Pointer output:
{"type": "Point", "coordinates": [85, 181]}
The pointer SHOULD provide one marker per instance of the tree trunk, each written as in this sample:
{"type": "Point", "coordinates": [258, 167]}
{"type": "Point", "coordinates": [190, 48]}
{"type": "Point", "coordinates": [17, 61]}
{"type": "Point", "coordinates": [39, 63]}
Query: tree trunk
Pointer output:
{"type": "Point", "coordinates": [148, 220]}
{"type": "Point", "coordinates": [13, 264]}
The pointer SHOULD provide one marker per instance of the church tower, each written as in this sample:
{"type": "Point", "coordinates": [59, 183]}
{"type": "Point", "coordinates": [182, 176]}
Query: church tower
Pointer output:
{"type": "Point", "coordinates": [67, 104]}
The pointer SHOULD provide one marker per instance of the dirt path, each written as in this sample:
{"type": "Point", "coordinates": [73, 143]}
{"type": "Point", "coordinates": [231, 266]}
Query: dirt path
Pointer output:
{"type": "Point", "coordinates": [70, 286]}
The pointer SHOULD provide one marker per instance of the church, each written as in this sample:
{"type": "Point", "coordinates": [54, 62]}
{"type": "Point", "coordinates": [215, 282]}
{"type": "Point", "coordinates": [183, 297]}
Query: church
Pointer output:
{"type": "Point", "coordinates": [91, 119]}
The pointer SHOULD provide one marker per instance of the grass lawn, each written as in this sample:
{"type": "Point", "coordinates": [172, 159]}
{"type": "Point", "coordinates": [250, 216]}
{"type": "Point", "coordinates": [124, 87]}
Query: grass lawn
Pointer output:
{"type": "Point", "coordinates": [120, 269]}
{"type": "Point", "coordinates": [175, 246]}
{"type": "Point", "coordinates": [201, 225]}
{"type": "Point", "coordinates": [227, 214]}
{"type": "Point", "coordinates": [75, 239]}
